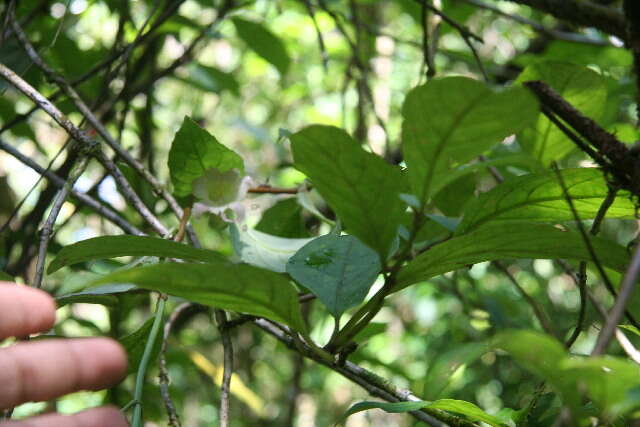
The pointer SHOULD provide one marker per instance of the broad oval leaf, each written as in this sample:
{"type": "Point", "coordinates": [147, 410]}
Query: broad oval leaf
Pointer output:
{"type": "Point", "coordinates": [264, 250]}
{"type": "Point", "coordinates": [236, 287]}
{"type": "Point", "coordinates": [582, 87]}
{"type": "Point", "coordinates": [263, 42]}
{"type": "Point", "coordinates": [194, 151]}
{"type": "Point", "coordinates": [452, 120]}
{"type": "Point", "coordinates": [339, 270]}
{"type": "Point", "coordinates": [540, 197]}
{"type": "Point", "coordinates": [468, 409]}
{"type": "Point", "coordinates": [361, 187]}
{"type": "Point", "coordinates": [498, 241]}
{"type": "Point", "coordinates": [117, 246]}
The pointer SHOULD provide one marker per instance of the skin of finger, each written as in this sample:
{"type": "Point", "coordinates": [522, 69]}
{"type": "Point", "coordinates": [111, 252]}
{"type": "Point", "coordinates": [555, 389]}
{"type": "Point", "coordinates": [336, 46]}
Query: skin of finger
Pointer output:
{"type": "Point", "coordinates": [42, 370]}
{"type": "Point", "coordinates": [24, 310]}
{"type": "Point", "coordinates": [97, 417]}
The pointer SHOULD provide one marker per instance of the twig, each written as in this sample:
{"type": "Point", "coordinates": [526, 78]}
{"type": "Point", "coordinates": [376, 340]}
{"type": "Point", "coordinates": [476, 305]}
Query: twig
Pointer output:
{"type": "Point", "coordinates": [100, 209]}
{"type": "Point", "coordinates": [372, 383]}
{"type": "Point", "coordinates": [627, 286]}
{"type": "Point", "coordinates": [47, 228]}
{"type": "Point", "coordinates": [267, 189]}
{"type": "Point", "coordinates": [323, 50]}
{"type": "Point", "coordinates": [227, 345]}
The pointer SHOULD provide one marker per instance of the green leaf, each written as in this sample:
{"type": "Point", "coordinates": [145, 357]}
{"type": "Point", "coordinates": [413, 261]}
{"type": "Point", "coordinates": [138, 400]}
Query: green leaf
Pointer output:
{"type": "Point", "coordinates": [194, 152]}
{"type": "Point", "coordinates": [211, 79]}
{"type": "Point", "coordinates": [236, 287]}
{"type": "Point", "coordinates": [452, 120]}
{"type": "Point", "coordinates": [104, 295]}
{"type": "Point", "coordinates": [284, 219]}
{"type": "Point", "coordinates": [339, 270]}
{"type": "Point", "coordinates": [540, 198]}
{"type": "Point", "coordinates": [6, 277]}
{"type": "Point", "coordinates": [135, 343]}
{"type": "Point", "coordinates": [467, 409]}
{"type": "Point", "coordinates": [360, 187]}
{"type": "Point", "coordinates": [264, 250]}
{"type": "Point", "coordinates": [509, 240]}
{"type": "Point", "coordinates": [116, 246]}
{"type": "Point", "coordinates": [263, 42]}
{"type": "Point", "coordinates": [582, 87]}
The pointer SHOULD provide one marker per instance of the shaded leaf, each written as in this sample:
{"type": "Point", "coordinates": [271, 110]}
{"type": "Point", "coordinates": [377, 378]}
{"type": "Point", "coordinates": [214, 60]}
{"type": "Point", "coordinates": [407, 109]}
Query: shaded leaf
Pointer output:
{"type": "Point", "coordinates": [194, 151]}
{"type": "Point", "coordinates": [284, 219]}
{"type": "Point", "coordinates": [211, 79]}
{"type": "Point", "coordinates": [452, 120]}
{"type": "Point", "coordinates": [540, 197]}
{"type": "Point", "coordinates": [135, 343]}
{"type": "Point", "coordinates": [582, 87]}
{"type": "Point", "coordinates": [104, 295]}
{"type": "Point", "coordinates": [236, 287]}
{"type": "Point", "coordinates": [263, 42]}
{"type": "Point", "coordinates": [125, 245]}
{"type": "Point", "coordinates": [339, 270]}
{"type": "Point", "coordinates": [509, 240]}
{"type": "Point", "coordinates": [6, 277]}
{"type": "Point", "coordinates": [360, 187]}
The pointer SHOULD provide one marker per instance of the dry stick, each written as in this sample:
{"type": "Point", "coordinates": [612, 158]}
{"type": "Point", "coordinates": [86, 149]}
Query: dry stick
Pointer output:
{"type": "Point", "coordinates": [582, 272]}
{"type": "Point", "coordinates": [83, 138]}
{"type": "Point", "coordinates": [102, 210]}
{"type": "Point", "coordinates": [627, 286]}
{"type": "Point", "coordinates": [47, 228]}
{"type": "Point", "coordinates": [372, 383]}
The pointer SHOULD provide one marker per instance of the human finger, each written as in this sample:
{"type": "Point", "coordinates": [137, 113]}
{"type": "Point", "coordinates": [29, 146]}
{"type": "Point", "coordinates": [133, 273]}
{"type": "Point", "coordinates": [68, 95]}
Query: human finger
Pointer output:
{"type": "Point", "coordinates": [42, 370]}
{"type": "Point", "coordinates": [24, 310]}
{"type": "Point", "coordinates": [96, 417]}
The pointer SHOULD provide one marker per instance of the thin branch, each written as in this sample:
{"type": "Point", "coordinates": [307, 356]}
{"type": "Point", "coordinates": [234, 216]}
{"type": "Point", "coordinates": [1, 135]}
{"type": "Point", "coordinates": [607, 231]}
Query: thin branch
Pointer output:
{"type": "Point", "coordinates": [627, 286]}
{"type": "Point", "coordinates": [227, 345]}
{"type": "Point", "coordinates": [102, 210]}
{"type": "Point", "coordinates": [323, 50]}
{"type": "Point", "coordinates": [47, 228]}
{"type": "Point", "coordinates": [373, 384]}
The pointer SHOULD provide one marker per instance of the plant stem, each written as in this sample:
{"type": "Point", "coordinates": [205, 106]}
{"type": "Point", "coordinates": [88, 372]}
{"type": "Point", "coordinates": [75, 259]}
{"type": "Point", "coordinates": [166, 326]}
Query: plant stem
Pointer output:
{"type": "Point", "coordinates": [144, 363]}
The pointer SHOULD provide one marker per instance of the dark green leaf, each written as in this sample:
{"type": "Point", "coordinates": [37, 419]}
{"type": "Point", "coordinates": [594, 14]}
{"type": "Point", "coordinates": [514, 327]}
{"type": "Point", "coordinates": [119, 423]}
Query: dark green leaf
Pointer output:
{"type": "Point", "coordinates": [135, 343]}
{"type": "Point", "coordinates": [4, 276]}
{"type": "Point", "coordinates": [194, 153]}
{"type": "Point", "coordinates": [263, 42]}
{"type": "Point", "coordinates": [452, 120]}
{"type": "Point", "coordinates": [236, 287]}
{"type": "Point", "coordinates": [104, 295]}
{"type": "Point", "coordinates": [361, 187]}
{"type": "Point", "coordinates": [509, 240]}
{"type": "Point", "coordinates": [540, 198]}
{"type": "Point", "coordinates": [339, 270]}
{"type": "Point", "coordinates": [582, 87]}
{"type": "Point", "coordinates": [211, 79]}
{"type": "Point", "coordinates": [116, 246]}
{"type": "Point", "coordinates": [284, 219]}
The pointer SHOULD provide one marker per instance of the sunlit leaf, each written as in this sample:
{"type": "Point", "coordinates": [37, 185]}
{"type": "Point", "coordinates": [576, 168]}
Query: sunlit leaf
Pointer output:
{"type": "Point", "coordinates": [263, 42]}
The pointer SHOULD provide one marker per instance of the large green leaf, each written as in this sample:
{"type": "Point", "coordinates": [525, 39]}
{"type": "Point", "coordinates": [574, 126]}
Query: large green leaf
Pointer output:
{"type": "Point", "coordinates": [194, 153]}
{"type": "Point", "coordinates": [361, 187]}
{"type": "Point", "coordinates": [582, 87]}
{"type": "Point", "coordinates": [117, 246]}
{"type": "Point", "coordinates": [263, 42]}
{"type": "Point", "coordinates": [339, 270]}
{"type": "Point", "coordinates": [509, 240]}
{"type": "Point", "coordinates": [237, 287]}
{"type": "Point", "coordinates": [452, 120]}
{"type": "Point", "coordinates": [461, 407]}
{"type": "Point", "coordinates": [539, 197]}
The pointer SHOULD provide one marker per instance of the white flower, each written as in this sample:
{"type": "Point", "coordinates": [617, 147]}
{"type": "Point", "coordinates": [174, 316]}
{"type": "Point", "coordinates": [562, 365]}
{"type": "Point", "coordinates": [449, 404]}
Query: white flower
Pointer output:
{"type": "Point", "coordinates": [220, 193]}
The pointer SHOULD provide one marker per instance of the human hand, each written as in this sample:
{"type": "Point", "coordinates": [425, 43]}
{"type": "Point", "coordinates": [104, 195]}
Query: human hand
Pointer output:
{"type": "Point", "coordinates": [42, 370]}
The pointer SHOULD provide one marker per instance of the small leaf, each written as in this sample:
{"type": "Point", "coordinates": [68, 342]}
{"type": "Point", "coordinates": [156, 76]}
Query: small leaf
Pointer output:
{"type": "Point", "coordinates": [582, 87]}
{"type": "Point", "coordinates": [509, 240]}
{"type": "Point", "coordinates": [211, 79]}
{"type": "Point", "coordinates": [540, 198]}
{"type": "Point", "coordinates": [194, 151]}
{"type": "Point", "coordinates": [4, 276]}
{"type": "Point", "coordinates": [104, 295]}
{"type": "Point", "coordinates": [339, 270]}
{"type": "Point", "coordinates": [134, 344]}
{"type": "Point", "coordinates": [467, 409]}
{"type": "Point", "coordinates": [264, 250]}
{"type": "Point", "coordinates": [117, 246]}
{"type": "Point", "coordinates": [360, 187]}
{"type": "Point", "coordinates": [284, 219]}
{"type": "Point", "coordinates": [236, 287]}
{"type": "Point", "coordinates": [451, 120]}
{"type": "Point", "coordinates": [263, 42]}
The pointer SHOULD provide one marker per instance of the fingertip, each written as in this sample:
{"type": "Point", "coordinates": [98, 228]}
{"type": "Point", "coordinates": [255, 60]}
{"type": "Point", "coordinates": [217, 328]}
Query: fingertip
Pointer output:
{"type": "Point", "coordinates": [25, 310]}
{"type": "Point", "coordinates": [110, 357]}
